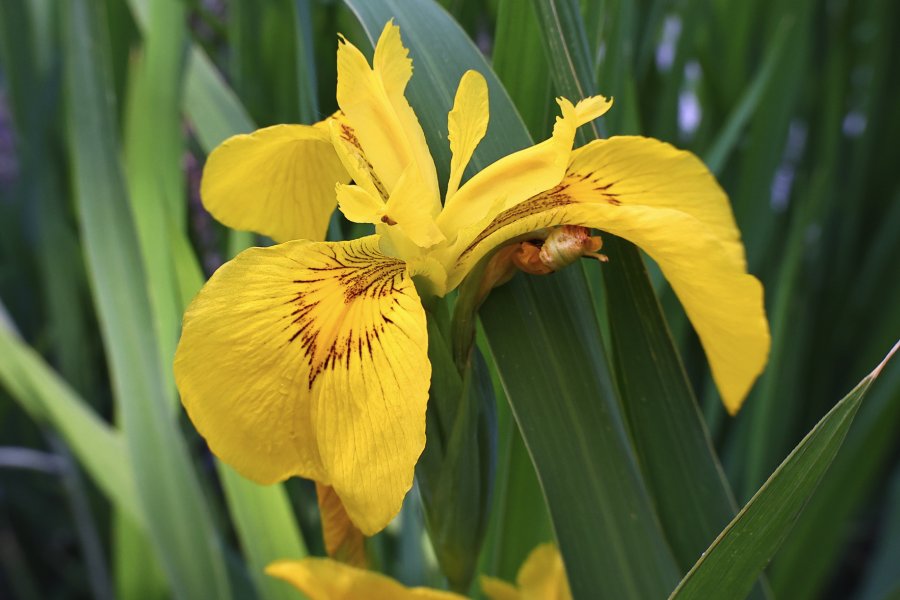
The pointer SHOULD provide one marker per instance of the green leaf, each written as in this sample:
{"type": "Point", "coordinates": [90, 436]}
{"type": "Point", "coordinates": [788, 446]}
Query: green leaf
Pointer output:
{"type": "Point", "coordinates": [521, 65]}
{"type": "Point", "coordinates": [267, 528]}
{"type": "Point", "coordinates": [731, 564]}
{"type": "Point", "coordinates": [138, 574]}
{"type": "Point", "coordinates": [153, 147]}
{"type": "Point", "coordinates": [882, 581]}
{"type": "Point", "coordinates": [546, 342]}
{"type": "Point", "coordinates": [728, 137]}
{"type": "Point", "coordinates": [691, 496]}
{"type": "Point", "coordinates": [804, 563]}
{"type": "Point", "coordinates": [46, 397]}
{"type": "Point", "coordinates": [211, 106]}
{"type": "Point", "coordinates": [177, 517]}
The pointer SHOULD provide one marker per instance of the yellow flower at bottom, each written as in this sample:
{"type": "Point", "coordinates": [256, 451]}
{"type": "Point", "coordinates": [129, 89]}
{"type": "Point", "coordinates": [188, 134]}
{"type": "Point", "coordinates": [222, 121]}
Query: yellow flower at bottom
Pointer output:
{"type": "Point", "coordinates": [542, 577]}
{"type": "Point", "coordinates": [325, 579]}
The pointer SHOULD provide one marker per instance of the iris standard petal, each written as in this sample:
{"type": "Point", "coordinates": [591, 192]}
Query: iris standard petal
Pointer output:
{"type": "Point", "coordinates": [497, 589]}
{"type": "Point", "coordinates": [343, 540]}
{"type": "Point", "coordinates": [384, 122]}
{"type": "Point", "coordinates": [632, 200]}
{"type": "Point", "coordinates": [310, 359]}
{"type": "Point", "coordinates": [522, 174]}
{"type": "Point", "coordinates": [324, 579]}
{"type": "Point", "coordinates": [466, 124]}
{"type": "Point", "coordinates": [541, 577]}
{"type": "Point", "coordinates": [278, 181]}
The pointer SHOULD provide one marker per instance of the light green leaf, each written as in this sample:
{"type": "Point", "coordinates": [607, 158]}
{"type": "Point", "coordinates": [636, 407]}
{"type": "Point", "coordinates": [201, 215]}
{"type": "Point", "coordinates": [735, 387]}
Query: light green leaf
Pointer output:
{"type": "Point", "coordinates": [46, 397]}
{"type": "Point", "coordinates": [176, 514]}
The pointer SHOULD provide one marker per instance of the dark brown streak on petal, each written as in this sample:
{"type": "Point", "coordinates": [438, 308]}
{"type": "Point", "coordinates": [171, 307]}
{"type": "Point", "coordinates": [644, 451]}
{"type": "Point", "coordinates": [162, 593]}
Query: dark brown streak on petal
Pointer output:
{"type": "Point", "coordinates": [359, 275]}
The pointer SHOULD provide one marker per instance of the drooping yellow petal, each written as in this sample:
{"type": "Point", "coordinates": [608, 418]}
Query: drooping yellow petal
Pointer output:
{"type": "Point", "coordinates": [343, 540]}
{"type": "Point", "coordinates": [310, 359]}
{"type": "Point", "coordinates": [278, 181]}
{"type": "Point", "coordinates": [383, 120]}
{"type": "Point", "coordinates": [497, 589]}
{"type": "Point", "coordinates": [541, 577]}
{"type": "Point", "coordinates": [523, 174]}
{"type": "Point", "coordinates": [324, 579]}
{"type": "Point", "coordinates": [670, 206]}
{"type": "Point", "coordinates": [466, 124]}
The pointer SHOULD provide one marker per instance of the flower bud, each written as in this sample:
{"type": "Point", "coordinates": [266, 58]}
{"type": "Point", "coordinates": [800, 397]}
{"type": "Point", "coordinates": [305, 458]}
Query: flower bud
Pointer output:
{"type": "Point", "coordinates": [561, 248]}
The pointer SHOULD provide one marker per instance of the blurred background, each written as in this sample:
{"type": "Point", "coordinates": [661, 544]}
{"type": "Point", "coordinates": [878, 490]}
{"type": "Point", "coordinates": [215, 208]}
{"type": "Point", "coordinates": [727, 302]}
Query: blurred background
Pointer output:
{"type": "Point", "coordinates": [792, 104]}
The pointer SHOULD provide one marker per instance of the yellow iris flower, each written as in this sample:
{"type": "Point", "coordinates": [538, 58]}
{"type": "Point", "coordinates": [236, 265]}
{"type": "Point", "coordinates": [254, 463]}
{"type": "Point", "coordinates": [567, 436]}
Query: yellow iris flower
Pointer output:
{"type": "Point", "coordinates": [310, 358]}
{"type": "Point", "coordinates": [541, 577]}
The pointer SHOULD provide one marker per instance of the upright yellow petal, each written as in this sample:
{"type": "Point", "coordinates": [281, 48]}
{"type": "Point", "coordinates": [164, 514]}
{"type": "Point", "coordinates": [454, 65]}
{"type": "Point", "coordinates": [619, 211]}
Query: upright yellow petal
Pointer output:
{"type": "Point", "coordinates": [541, 577]}
{"type": "Point", "coordinates": [310, 359]}
{"type": "Point", "coordinates": [523, 174]}
{"type": "Point", "coordinates": [405, 208]}
{"type": "Point", "coordinates": [360, 206]}
{"type": "Point", "coordinates": [466, 124]}
{"type": "Point", "coordinates": [278, 181]}
{"type": "Point", "coordinates": [669, 205]}
{"type": "Point", "coordinates": [343, 540]}
{"type": "Point", "coordinates": [351, 153]}
{"type": "Point", "coordinates": [497, 589]}
{"type": "Point", "coordinates": [383, 120]}
{"type": "Point", "coordinates": [324, 579]}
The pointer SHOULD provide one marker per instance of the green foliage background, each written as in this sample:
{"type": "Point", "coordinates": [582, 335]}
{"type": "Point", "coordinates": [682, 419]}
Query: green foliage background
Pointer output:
{"type": "Point", "coordinates": [107, 111]}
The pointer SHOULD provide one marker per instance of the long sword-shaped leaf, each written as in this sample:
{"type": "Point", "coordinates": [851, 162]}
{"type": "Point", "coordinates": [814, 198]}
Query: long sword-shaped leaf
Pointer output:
{"type": "Point", "coordinates": [177, 516]}
{"type": "Point", "coordinates": [265, 523]}
{"type": "Point", "coordinates": [730, 566]}
{"type": "Point", "coordinates": [567, 407]}
{"type": "Point", "coordinates": [46, 397]}
{"type": "Point", "coordinates": [691, 496]}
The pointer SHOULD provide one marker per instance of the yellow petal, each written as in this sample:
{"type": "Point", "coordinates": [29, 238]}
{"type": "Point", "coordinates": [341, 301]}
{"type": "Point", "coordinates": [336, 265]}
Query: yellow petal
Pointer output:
{"type": "Point", "coordinates": [466, 124]}
{"type": "Point", "coordinates": [310, 359]}
{"type": "Point", "coordinates": [354, 159]}
{"type": "Point", "coordinates": [543, 575]}
{"type": "Point", "coordinates": [324, 579]}
{"type": "Point", "coordinates": [278, 181]}
{"type": "Point", "coordinates": [405, 207]}
{"type": "Point", "coordinates": [358, 205]}
{"type": "Point", "coordinates": [343, 541]}
{"type": "Point", "coordinates": [670, 206]}
{"type": "Point", "coordinates": [523, 174]}
{"type": "Point", "coordinates": [497, 589]}
{"type": "Point", "coordinates": [385, 124]}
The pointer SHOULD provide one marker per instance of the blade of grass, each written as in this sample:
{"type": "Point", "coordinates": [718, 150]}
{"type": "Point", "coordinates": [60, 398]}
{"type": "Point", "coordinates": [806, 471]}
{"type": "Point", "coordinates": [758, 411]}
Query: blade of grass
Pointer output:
{"type": "Point", "coordinates": [882, 581]}
{"type": "Point", "coordinates": [46, 397]}
{"type": "Point", "coordinates": [716, 157]}
{"type": "Point", "coordinates": [681, 470]}
{"type": "Point", "coordinates": [153, 146]}
{"type": "Point", "coordinates": [731, 564]}
{"type": "Point", "coordinates": [178, 520]}
{"type": "Point", "coordinates": [804, 564]}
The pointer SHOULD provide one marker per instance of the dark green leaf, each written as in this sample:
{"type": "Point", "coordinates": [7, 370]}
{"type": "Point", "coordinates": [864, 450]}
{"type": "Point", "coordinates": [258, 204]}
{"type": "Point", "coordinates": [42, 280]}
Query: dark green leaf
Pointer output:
{"type": "Point", "coordinates": [730, 566]}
